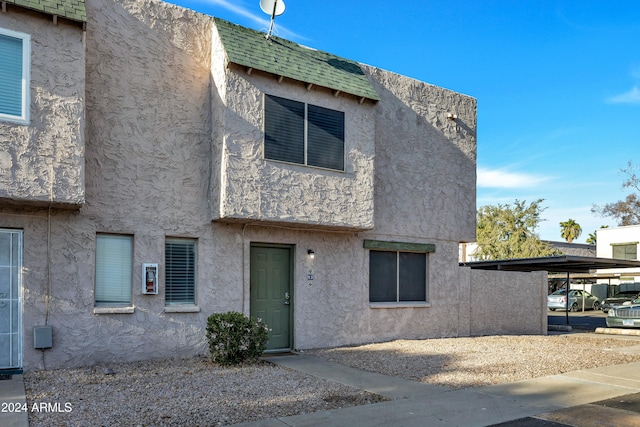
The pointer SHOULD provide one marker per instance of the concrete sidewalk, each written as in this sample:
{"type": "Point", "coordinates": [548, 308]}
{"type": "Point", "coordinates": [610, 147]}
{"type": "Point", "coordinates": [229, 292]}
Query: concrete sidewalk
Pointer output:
{"type": "Point", "coordinates": [417, 404]}
{"type": "Point", "coordinates": [13, 403]}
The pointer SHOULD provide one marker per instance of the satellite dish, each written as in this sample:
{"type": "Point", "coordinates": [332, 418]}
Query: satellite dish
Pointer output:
{"type": "Point", "coordinates": [273, 8]}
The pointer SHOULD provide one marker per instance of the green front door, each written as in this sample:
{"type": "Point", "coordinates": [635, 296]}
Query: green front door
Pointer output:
{"type": "Point", "coordinates": [271, 298]}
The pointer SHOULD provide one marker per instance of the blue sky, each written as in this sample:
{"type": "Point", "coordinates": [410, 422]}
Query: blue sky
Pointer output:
{"type": "Point", "coordinates": [557, 83]}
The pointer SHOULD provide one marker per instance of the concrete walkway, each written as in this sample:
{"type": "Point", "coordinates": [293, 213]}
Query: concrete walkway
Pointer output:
{"type": "Point", "coordinates": [417, 404]}
{"type": "Point", "coordinates": [13, 403]}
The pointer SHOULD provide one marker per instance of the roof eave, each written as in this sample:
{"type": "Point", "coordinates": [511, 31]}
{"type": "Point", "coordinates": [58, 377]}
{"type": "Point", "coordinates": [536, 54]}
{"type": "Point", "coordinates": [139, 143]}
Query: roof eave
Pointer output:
{"type": "Point", "coordinates": [81, 20]}
{"type": "Point", "coordinates": [309, 84]}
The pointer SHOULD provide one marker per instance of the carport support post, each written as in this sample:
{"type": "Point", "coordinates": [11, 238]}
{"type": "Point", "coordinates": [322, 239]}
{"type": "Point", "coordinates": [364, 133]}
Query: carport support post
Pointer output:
{"type": "Point", "coordinates": [567, 310]}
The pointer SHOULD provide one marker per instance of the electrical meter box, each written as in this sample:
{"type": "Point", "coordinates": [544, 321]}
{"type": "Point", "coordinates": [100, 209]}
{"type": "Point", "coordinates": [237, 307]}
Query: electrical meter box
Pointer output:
{"type": "Point", "coordinates": [149, 279]}
{"type": "Point", "coordinates": [42, 337]}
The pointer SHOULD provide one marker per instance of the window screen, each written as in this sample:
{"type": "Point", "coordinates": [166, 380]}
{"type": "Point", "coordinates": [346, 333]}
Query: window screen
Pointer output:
{"type": "Point", "coordinates": [180, 271]}
{"type": "Point", "coordinates": [383, 275]}
{"type": "Point", "coordinates": [412, 277]}
{"type": "Point", "coordinates": [325, 138]}
{"type": "Point", "coordinates": [114, 257]}
{"type": "Point", "coordinates": [301, 133]}
{"type": "Point", "coordinates": [284, 130]}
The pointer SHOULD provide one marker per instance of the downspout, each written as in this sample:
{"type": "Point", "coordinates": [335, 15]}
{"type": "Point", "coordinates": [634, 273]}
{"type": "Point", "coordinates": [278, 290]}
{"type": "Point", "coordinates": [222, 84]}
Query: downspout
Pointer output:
{"type": "Point", "coordinates": [48, 293]}
{"type": "Point", "coordinates": [567, 310]}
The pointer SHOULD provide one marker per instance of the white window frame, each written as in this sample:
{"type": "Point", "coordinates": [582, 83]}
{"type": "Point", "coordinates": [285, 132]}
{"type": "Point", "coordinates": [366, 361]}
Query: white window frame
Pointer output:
{"type": "Point", "coordinates": [193, 242]}
{"type": "Point", "coordinates": [26, 79]}
{"type": "Point", "coordinates": [126, 276]}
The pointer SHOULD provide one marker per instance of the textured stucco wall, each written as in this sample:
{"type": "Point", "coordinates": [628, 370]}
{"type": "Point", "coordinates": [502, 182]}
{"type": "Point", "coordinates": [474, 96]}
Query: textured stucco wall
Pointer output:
{"type": "Point", "coordinates": [425, 169]}
{"type": "Point", "coordinates": [333, 309]}
{"type": "Point", "coordinates": [252, 188]}
{"type": "Point", "coordinates": [148, 156]}
{"type": "Point", "coordinates": [43, 161]}
{"type": "Point", "coordinates": [507, 302]}
{"type": "Point", "coordinates": [168, 137]}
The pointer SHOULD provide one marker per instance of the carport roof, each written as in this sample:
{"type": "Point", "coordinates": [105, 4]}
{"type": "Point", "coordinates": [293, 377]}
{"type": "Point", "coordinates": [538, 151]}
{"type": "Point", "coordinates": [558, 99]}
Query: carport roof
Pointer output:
{"type": "Point", "coordinates": [553, 264]}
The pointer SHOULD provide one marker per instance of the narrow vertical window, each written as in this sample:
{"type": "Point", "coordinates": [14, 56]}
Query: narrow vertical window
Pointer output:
{"type": "Point", "coordinates": [180, 271]}
{"type": "Point", "coordinates": [383, 275]}
{"type": "Point", "coordinates": [15, 52]}
{"type": "Point", "coordinates": [114, 260]}
{"type": "Point", "coordinates": [284, 130]}
{"type": "Point", "coordinates": [325, 138]}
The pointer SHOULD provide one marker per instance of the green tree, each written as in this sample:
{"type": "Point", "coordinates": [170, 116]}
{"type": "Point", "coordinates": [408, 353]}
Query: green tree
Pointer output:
{"type": "Point", "coordinates": [508, 232]}
{"type": "Point", "coordinates": [592, 239]}
{"type": "Point", "coordinates": [627, 211]}
{"type": "Point", "coordinates": [570, 230]}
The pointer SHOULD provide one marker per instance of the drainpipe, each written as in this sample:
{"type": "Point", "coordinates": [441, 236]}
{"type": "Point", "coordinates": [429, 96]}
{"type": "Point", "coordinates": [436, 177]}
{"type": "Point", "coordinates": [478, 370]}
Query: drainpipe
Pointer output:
{"type": "Point", "coordinates": [567, 310]}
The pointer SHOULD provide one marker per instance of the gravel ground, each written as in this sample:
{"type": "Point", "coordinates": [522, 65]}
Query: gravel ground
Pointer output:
{"type": "Point", "coordinates": [196, 392]}
{"type": "Point", "coordinates": [479, 361]}
{"type": "Point", "coordinates": [181, 392]}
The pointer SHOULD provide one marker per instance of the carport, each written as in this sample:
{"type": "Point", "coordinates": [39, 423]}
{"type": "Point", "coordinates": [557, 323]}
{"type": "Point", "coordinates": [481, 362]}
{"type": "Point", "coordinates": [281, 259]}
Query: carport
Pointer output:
{"type": "Point", "coordinates": [555, 264]}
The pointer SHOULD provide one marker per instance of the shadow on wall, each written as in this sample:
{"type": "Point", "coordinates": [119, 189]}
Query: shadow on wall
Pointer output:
{"type": "Point", "coordinates": [416, 143]}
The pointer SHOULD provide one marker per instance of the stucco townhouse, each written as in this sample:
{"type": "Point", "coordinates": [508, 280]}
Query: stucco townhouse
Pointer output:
{"type": "Point", "coordinates": [158, 165]}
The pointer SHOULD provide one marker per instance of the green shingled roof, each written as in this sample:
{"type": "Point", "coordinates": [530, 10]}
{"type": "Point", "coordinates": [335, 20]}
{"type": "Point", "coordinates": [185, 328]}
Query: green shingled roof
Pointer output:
{"type": "Point", "coordinates": [73, 10]}
{"type": "Point", "coordinates": [282, 57]}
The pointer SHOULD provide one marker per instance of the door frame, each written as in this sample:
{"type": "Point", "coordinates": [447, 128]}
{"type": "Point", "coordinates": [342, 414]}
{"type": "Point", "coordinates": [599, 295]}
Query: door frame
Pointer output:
{"type": "Point", "coordinates": [292, 249]}
{"type": "Point", "coordinates": [17, 369]}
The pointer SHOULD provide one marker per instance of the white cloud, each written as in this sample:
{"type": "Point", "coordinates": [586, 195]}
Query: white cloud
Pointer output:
{"type": "Point", "coordinates": [630, 97]}
{"type": "Point", "coordinates": [499, 178]}
{"type": "Point", "coordinates": [261, 20]}
{"type": "Point", "coordinates": [238, 9]}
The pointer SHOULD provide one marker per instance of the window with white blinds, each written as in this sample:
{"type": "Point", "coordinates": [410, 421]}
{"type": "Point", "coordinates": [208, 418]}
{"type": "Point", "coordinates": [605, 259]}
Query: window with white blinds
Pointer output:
{"type": "Point", "coordinates": [114, 260]}
{"type": "Point", "coordinates": [14, 75]}
{"type": "Point", "coordinates": [302, 133]}
{"type": "Point", "coordinates": [180, 271]}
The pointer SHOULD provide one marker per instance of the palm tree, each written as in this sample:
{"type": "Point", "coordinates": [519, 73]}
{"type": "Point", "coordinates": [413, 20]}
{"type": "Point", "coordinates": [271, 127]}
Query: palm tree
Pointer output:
{"type": "Point", "coordinates": [570, 230]}
{"type": "Point", "coordinates": [592, 236]}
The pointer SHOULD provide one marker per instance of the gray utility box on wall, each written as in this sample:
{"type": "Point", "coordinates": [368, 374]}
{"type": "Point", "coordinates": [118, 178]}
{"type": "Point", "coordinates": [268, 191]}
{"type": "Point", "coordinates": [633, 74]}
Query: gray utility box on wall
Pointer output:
{"type": "Point", "coordinates": [42, 337]}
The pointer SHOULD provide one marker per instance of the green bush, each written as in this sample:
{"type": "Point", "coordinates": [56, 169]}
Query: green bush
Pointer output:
{"type": "Point", "coordinates": [235, 338]}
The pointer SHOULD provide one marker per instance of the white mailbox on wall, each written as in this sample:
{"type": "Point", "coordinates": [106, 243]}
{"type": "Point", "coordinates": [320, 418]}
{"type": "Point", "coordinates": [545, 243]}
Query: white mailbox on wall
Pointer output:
{"type": "Point", "coordinates": [149, 279]}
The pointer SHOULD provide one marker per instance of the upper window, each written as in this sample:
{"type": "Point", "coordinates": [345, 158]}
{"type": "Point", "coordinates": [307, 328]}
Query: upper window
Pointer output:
{"type": "Point", "coordinates": [303, 133]}
{"type": "Point", "coordinates": [114, 258]}
{"type": "Point", "coordinates": [626, 251]}
{"type": "Point", "coordinates": [180, 271]}
{"type": "Point", "coordinates": [14, 76]}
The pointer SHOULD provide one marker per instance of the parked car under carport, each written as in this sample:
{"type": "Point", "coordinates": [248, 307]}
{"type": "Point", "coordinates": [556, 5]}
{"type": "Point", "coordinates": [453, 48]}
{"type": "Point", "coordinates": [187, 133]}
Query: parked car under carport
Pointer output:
{"type": "Point", "coordinates": [578, 300]}
{"type": "Point", "coordinates": [624, 316]}
{"type": "Point", "coordinates": [619, 299]}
